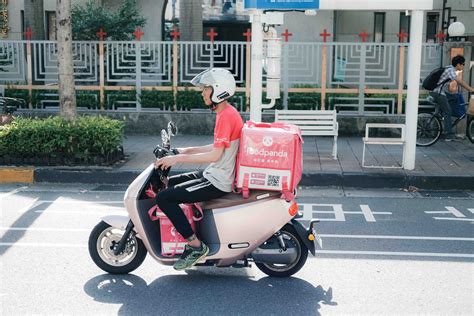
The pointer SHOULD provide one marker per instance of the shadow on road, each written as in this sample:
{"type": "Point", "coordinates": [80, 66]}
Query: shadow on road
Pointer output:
{"type": "Point", "coordinates": [203, 293]}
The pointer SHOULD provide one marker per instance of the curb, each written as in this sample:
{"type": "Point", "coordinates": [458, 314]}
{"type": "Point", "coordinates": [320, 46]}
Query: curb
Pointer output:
{"type": "Point", "coordinates": [322, 179]}
{"type": "Point", "coordinates": [17, 175]}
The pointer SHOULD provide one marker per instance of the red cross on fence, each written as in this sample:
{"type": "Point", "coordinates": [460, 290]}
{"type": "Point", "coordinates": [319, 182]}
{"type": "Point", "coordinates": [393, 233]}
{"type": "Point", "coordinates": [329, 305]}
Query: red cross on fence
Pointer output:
{"type": "Point", "coordinates": [212, 34]}
{"type": "Point", "coordinates": [101, 34]}
{"type": "Point", "coordinates": [138, 34]}
{"type": "Point", "coordinates": [248, 35]}
{"type": "Point", "coordinates": [440, 36]}
{"type": "Point", "coordinates": [324, 34]}
{"type": "Point", "coordinates": [28, 33]}
{"type": "Point", "coordinates": [286, 34]}
{"type": "Point", "coordinates": [402, 35]}
{"type": "Point", "coordinates": [363, 35]}
{"type": "Point", "coordinates": [175, 34]}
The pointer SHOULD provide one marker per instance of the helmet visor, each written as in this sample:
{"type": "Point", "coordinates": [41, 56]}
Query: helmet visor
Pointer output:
{"type": "Point", "coordinates": [204, 79]}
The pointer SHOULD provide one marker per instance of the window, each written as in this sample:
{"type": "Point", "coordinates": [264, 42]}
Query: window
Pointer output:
{"type": "Point", "coordinates": [51, 25]}
{"type": "Point", "coordinates": [431, 26]}
{"type": "Point", "coordinates": [405, 25]}
{"type": "Point", "coordinates": [379, 27]}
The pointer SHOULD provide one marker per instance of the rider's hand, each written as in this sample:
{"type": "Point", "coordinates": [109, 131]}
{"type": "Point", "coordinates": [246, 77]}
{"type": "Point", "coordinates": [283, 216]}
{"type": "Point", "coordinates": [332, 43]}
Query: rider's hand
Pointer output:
{"type": "Point", "coordinates": [165, 162]}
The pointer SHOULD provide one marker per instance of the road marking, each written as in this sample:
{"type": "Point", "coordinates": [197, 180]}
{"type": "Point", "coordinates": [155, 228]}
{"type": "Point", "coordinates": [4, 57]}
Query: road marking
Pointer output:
{"type": "Point", "coordinates": [13, 192]}
{"type": "Point", "coordinates": [455, 219]}
{"type": "Point", "coordinates": [56, 202]}
{"type": "Point", "coordinates": [45, 229]}
{"type": "Point", "coordinates": [397, 237]}
{"type": "Point", "coordinates": [471, 210]}
{"type": "Point", "coordinates": [32, 244]}
{"type": "Point", "coordinates": [339, 214]}
{"type": "Point", "coordinates": [450, 210]}
{"type": "Point", "coordinates": [112, 212]}
{"type": "Point", "coordinates": [388, 253]}
{"type": "Point", "coordinates": [369, 216]}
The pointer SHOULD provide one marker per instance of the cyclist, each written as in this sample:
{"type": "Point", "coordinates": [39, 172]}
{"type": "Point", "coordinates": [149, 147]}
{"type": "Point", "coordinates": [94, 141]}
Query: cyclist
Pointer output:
{"type": "Point", "coordinates": [439, 94]}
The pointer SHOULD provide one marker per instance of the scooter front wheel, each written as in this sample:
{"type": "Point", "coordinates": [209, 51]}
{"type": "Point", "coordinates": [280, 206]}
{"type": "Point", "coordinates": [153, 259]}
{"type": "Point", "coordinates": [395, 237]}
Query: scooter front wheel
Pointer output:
{"type": "Point", "coordinates": [291, 240]}
{"type": "Point", "coordinates": [102, 242]}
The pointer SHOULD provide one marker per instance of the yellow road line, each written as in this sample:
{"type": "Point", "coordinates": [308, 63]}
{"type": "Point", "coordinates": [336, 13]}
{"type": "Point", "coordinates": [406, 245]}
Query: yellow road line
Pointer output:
{"type": "Point", "coordinates": [16, 175]}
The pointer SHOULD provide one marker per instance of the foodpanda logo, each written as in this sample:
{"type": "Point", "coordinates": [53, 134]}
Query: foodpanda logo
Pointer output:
{"type": "Point", "coordinates": [267, 141]}
{"type": "Point", "coordinates": [266, 153]}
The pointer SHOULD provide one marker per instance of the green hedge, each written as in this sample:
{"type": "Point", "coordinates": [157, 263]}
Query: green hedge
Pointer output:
{"type": "Point", "coordinates": [89, 139]}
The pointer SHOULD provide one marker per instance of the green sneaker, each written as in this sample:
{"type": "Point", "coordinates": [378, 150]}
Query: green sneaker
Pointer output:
{"type": "Point", "coordinates": [191, 256]}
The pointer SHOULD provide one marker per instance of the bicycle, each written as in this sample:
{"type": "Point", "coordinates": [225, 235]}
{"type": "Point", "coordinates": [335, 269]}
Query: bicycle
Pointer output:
{"type": "Point", "coordinates": [430, 126]}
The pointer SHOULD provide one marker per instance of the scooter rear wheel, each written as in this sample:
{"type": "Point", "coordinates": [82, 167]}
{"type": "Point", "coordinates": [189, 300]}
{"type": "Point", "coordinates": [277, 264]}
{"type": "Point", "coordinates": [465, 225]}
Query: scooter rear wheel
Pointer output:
{"type": "Point", "coordinates": [291, 239]}
{"type": "Point", "coordinates": [102, 241]}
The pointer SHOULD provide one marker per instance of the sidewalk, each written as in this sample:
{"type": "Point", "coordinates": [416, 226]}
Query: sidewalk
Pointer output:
{"type": "Point", "coordinates": [443, 166]}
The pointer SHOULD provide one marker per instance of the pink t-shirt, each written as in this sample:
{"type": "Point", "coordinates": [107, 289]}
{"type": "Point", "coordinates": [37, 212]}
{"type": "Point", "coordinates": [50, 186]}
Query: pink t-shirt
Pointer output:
{"type": "Point", "coordinates": [226, 134]}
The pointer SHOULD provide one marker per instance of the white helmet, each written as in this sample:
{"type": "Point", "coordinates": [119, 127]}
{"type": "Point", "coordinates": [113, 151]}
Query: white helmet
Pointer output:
{"type": "Point", "coordinates": [221, 81]}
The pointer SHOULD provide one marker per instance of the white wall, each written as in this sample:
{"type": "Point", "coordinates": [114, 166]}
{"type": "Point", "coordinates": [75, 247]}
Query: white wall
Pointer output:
{"type": "Point", "coordinates": [307, 28]}
{"type": "Point", "coordinates": [351, 23]}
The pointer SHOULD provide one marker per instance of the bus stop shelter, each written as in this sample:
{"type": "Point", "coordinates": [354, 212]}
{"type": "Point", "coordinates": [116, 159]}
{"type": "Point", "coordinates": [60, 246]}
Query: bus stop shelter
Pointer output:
{"type": "Point", "coordinates": [415, 8]}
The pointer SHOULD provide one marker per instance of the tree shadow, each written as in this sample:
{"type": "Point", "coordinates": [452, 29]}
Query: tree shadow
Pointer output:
{"type": "Point", "coordinates": [201, 292]}
{"type": "Point", "coordinates": [27, 219]}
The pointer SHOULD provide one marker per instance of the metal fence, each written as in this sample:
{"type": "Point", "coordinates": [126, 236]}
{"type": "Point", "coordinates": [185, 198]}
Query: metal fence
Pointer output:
{"type": "Point", "coordinates": [361, 78]}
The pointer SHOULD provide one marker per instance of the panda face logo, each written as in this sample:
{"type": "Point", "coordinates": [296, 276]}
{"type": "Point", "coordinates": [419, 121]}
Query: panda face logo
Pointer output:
{"type": "Point", "coordinates": [267, 141]}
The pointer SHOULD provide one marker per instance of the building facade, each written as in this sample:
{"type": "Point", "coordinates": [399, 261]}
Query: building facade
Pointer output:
{"type": "Point", "coordinates": [228, 19]}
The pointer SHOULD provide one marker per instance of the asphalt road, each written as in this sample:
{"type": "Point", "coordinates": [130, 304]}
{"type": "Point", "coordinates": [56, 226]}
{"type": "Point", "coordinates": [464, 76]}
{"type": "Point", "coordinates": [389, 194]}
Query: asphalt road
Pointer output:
{"type": "Point", "coordinates": [384, 252]}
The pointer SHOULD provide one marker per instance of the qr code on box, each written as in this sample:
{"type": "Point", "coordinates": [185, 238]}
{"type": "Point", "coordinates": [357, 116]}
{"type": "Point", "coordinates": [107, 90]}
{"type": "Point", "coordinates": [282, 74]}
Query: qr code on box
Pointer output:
{"type": "Point", "coordinates": [273, 181]}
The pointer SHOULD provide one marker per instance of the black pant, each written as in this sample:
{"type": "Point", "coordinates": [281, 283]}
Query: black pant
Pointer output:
{"type": "Point", "coordinates": [185, 188]}
{"type": "Point", "coordinates": [445, 107]}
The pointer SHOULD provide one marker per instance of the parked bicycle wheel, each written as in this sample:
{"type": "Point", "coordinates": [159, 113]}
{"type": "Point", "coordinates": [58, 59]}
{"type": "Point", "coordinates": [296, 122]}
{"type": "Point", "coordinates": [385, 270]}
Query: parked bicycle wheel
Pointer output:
{"type": "Point", "coordinates": [470, 129]}
{"type": "Point", "coordinates": [428, 129]}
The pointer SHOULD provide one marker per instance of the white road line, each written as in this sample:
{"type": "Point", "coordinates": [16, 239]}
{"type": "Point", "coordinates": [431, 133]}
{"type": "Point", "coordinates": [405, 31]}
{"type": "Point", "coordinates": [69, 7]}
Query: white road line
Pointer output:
{"type": "Point", "coordinates": [45, 229]}
{"type": "Point", "coordinates": [27, 208]}
{"type": "Point", "coordinates": [99, 211]}
{"type": "Point", "coordinates": [455, 219]}
{"type": "Point", "coordinates": [56, 202]}
{"type": "Point", "coordinates": [450, 210]}
{"type": "Point", "coordinates": [395, 237]}
{"type": "Point", "coordinates": [353, 212]}
{"type": "Point", "coordinates": [471, 210]}
{"type": "Point", "coordinates": [13, 192]}
{"type": "Point", "coordinates": [32, 244]}
{"type": "Point", "coordinates": [369, 217]}
{"type": "Point", "coordinates": [388, 253]}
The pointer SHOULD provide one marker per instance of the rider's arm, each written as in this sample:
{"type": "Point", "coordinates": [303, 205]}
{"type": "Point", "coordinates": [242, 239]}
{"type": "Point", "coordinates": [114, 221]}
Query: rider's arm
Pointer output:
{"type": "Point", "coordinates": [196, 150]}
{"type": "Point", "coordinates": [464, 84]}
{"type": "Point", "coordinates": [204, 157]}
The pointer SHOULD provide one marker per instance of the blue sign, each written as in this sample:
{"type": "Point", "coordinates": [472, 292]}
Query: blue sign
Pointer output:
{"type": "Point", "coordinates": [282, 4]}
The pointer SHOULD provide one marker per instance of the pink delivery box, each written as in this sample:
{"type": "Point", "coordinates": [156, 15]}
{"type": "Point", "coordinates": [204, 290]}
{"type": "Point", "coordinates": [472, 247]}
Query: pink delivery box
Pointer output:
{"type": "Point", "coordinates": [270, 157]}
{"type": "Point", "coordinates": [172, 242]}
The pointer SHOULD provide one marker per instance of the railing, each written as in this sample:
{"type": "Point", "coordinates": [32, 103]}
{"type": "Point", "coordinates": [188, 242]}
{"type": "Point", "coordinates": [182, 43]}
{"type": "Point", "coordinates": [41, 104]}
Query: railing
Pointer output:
{"type": "Point", "coordinates": [354, 78]}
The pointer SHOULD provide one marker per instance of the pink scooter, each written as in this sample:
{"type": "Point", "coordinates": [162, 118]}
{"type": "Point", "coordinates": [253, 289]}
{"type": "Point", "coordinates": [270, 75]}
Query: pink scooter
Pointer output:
{"type": "Point", "coordinates": [262, 229]}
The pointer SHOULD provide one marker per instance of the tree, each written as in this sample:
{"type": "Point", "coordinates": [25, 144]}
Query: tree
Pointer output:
{"type": "Point", "coordinates": [119, 25]}
{"type": "Point", "coordinates": [67, 89]}
{"type": "Point", "coordinates": [34, 18]}
{"type": "Point", "coordinates": [190, 20]}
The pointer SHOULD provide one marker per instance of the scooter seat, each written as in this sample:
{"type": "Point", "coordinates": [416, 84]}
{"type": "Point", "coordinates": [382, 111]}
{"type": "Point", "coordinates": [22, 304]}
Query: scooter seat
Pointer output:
{"type": "Point", "coordinates": [232, 199]}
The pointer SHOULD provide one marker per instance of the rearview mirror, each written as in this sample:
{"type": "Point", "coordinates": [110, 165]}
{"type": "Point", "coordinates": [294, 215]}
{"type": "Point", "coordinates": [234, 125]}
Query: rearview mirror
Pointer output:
{"type": "Point", "coordinates": [172, 128]}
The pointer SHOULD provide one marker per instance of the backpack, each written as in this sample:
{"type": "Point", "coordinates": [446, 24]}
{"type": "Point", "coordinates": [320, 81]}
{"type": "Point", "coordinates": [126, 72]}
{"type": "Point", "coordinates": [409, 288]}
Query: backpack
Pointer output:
{"type": "Point", "coordinates": [431, 81]}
